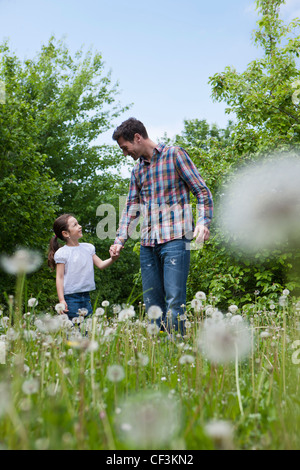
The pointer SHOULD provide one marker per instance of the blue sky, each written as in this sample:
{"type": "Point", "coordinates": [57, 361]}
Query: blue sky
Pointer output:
{"type": "Point", "coordinates": [162, 52]}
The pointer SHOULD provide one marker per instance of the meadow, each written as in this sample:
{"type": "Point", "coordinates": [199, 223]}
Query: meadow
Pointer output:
{"type": "Point", "coordinates": [115, 381]}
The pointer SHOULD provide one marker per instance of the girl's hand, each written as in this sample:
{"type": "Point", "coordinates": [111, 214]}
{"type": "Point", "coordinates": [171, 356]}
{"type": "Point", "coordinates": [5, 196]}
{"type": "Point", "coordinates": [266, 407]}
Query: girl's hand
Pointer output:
{"type": "Point", "coordinates": [114, 253]}
{"type": "Point", "coordinates": [63, 302]}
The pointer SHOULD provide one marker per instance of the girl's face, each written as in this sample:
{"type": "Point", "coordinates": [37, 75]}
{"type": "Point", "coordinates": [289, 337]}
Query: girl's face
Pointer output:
{"type": "Point", "coordinates": [74, 229]}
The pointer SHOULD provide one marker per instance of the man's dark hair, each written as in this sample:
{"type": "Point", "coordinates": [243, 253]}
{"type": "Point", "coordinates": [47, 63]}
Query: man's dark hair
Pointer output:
{"type": "Point", "coordinates": [129, 128]}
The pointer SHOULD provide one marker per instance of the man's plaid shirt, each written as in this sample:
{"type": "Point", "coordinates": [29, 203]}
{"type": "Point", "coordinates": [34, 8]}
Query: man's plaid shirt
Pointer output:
{"type": "Point", "coordinates": [160, 193]}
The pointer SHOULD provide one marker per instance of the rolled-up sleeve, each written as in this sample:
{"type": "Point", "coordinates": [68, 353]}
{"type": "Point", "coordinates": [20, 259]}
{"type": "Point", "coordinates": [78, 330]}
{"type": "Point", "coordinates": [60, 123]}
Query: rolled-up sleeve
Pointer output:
{"type": "Point", "coordinates": [191, 176]}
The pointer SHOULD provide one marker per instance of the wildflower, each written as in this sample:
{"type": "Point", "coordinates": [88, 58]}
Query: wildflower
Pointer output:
{"type": "Point", "coordinates": [222, 338]}
{"type": "Point", "coordinates": [115, 373]}
{"type": "Point", "coordinates": [261, 209]}
{"type": "Point", "coordinates": [99, 311]}
{"type": "Point", "coordinates": [221, 433]}
{"type": "Point", "coordinates": [30, 386]}
{"type": "Point", "coordinates": [126, 314]}
{"type": "Point", "coordinates": [285, 292]}
{"type": "Point", "coordinates": [23, 261]}
{"type": "Point", "coordinates": [47, 323]}
{"type": "Point", "coordinates": [233, 309]}
{"type": "Point", "coordinates": [143, 360]}
{"type": "Point", "coordinates": [282, 300]}
{"type": "Point", "coordinates": [82, 312]}
{"type": "Point", "coordinates": [196, 304]}
{"type": "Point", "coordinates": [83, 343]}
{"type": "Point", "coordinates": [154, 312]}
{"type": "Point", "coordinates": [32, 302]}
{"type": "Point", "coordinates": [11, 334]}
{"type": "Point", "coordinates": [60, 307]}
{"type": "Point", "coordinates": [265, 334]}
{"type": "Point", "coordinates": [187, 359]}
{"type": "Point", "coordinates": [148, 420]}
{"type": "Point", "coordinates": [116, 308]}
{"type": "Point", "coordinates": [200, 295]}
{"type": "Point", "coordinates": [105, 303]}
{"type": "Point", "coordinates": [152, 329]}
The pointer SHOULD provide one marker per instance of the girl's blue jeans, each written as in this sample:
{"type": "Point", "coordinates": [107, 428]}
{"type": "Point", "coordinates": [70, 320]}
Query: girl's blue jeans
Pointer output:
{"type": "Point", "coordinates": [165, 269]}
{"type": "Point", "coordinates": [77, 301]}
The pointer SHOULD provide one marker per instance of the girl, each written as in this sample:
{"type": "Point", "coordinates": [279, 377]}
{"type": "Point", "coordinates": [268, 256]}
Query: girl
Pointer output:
{"type": "Point", "coordinates": [74, 265]}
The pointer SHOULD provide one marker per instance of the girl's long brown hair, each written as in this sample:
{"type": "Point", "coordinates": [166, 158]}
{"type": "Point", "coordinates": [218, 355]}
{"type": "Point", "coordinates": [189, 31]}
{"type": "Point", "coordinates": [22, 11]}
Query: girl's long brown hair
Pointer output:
{"type": "Point", "coordinates": [60, 225]}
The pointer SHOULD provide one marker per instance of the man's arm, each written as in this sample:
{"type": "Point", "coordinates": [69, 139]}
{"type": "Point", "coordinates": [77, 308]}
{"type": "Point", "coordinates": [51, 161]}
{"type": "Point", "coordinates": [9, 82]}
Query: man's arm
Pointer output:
{"type": "Point", "coordinates": [191, 176]}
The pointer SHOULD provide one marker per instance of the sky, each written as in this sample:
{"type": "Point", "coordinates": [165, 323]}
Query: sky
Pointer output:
{"type": "Point", "coordinates": [161, 53]}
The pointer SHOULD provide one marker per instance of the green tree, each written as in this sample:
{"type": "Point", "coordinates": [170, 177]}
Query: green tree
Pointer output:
{"type": "Point", "coordinates": [56, 106]}
{"type": "Point", "coordinates": [265, 102]}
{"type": "Point", "coordinates": [262, 97]}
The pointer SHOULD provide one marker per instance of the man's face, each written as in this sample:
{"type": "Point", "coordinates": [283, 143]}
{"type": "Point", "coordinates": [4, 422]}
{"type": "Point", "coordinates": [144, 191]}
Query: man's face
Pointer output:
{"type": "Point", "coordinates": [134, 149]}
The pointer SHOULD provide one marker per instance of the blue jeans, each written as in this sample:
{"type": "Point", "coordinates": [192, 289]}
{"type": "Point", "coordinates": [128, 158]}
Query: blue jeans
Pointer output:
{"type": "Point", "coordinates": [77, 301]}
{"type": "Point", "coordinates": [165, 269]}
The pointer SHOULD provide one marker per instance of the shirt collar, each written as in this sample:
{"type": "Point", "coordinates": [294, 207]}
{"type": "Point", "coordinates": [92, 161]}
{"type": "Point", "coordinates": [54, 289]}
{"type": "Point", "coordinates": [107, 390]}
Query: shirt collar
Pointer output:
{"type": "Point", "coordinates": [157, 150]}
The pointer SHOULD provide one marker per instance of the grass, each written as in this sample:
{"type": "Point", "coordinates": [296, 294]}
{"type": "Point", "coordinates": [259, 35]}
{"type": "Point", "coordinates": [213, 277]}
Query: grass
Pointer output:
{"type": "Point", "coordinates": [58, 389]}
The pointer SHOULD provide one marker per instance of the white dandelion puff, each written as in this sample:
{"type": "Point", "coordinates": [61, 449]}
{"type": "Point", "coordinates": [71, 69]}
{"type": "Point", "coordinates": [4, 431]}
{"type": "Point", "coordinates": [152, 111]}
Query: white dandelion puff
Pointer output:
{"type": "Point", "coordinates": [200, 295]}
{"type": "Point", "coordinates": [30, 387]}
{"type": "Point", "coordinates": [22, 261]}
{"type": "Point", "coordinates": [262, 207]}
{"type": "Point", "coordinates": [187, 359]}
{"type": "Point", "coordinates": [99, 311]}
{"type": "Point", "coordinates": [115, 373]}
{"type": "Point", "coordinates": [148, 420]}
{"type": "Point", "coordinates": [60, 307]}
{"type": "Point", "coordinates": [222, 339]}
{"type": "Point", "coordinates": [154, 312]}
{"type": "Point", "coordinates": [152, 329]}
{"type": "Point", "coordinates": [221, 433]}
{"type": "Point", "coordinates": [32, 302]}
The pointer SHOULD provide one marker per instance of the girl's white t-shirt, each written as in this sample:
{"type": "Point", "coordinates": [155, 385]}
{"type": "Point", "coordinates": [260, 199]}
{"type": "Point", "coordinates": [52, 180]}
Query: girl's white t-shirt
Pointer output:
{"type": "Point", "coordinates": [79, 267]}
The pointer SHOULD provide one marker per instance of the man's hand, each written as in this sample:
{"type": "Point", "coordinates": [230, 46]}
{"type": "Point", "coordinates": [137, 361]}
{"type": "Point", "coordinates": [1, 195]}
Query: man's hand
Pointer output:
{"type": "Point", "coordinates": [201, 233]}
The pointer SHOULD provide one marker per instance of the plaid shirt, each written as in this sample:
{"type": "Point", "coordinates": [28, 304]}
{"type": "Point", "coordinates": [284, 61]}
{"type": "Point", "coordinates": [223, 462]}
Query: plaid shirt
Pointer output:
{"type": "Point", "coordinates": [160, 193]}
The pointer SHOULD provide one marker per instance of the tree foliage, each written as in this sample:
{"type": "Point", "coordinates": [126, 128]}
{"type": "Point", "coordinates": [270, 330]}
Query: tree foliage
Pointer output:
{"type": "Point", "coordinates": [56, 106]}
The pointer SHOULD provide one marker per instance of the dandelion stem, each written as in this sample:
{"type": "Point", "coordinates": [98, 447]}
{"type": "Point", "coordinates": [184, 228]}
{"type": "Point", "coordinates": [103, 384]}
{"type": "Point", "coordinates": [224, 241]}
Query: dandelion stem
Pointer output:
{"type": "Point", "coordinates": [237, 380]}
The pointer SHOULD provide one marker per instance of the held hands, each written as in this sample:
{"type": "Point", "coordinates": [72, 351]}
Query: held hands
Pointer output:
{"type": "Point", "coordinates": [201, 233]}
{"type": "Point", "coordinates": [115, 251]}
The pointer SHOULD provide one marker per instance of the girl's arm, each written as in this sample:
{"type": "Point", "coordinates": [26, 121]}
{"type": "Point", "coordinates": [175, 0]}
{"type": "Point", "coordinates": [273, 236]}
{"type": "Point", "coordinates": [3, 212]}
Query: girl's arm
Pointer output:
{"type": "Point", "coordinates": [60, 271]}
{"type": "Point", "coordinates": [104, 264]}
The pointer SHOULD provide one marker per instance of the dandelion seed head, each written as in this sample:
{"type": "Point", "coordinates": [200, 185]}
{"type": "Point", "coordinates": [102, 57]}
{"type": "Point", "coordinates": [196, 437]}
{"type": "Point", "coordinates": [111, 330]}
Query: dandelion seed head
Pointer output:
{"type": "Point", "coordinates": [148, 419]}
{"type": "Point", "coordinates": [221, 339]}
{"type": "Point", "coordinates": [126, 314]}
{"type": "Point", "coordinates": [115, 373]}
{"type": "Point", "coordinates": [200, 295]}
{"type": "Point", "coordinates": [22, 261]}
{"type": "Point", "coordinates": [32, 302]}
{"type": "Point", "coordinates": [262, 207]}
{"type": "Point", "coordinates": [30, 387]}
{"type": "Point", "coordinates": [221, 433]}
{"type": "Point", "coordinates": [152, 329]}
{"type": "Point", "coordinates": [187, 359]}
{"type": "Point", "coordinates": [154, 312]}
{"type": "Point", "coordinates": [99, 311]}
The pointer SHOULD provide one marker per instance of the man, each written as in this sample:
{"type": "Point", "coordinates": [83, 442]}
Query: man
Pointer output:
{"type": "Point", "coordinates": [160, 187]}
